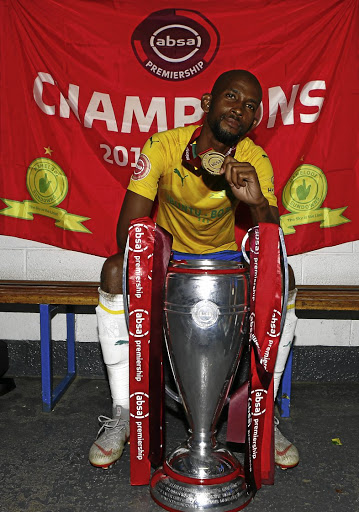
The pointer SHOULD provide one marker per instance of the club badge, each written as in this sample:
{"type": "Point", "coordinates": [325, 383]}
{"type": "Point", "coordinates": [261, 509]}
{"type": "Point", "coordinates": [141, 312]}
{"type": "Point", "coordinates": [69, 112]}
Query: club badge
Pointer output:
{"type": "Point", "coordinates": [47, 185]}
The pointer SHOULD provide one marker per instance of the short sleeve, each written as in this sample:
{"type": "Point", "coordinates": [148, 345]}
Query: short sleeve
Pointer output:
{"type": "Point", "coordinates": [150, 166]}
{"type": "Point", "coordinates": [264, 169]}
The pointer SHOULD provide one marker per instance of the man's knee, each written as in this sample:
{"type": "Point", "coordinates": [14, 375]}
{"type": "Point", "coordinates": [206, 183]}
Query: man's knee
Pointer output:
{"type": "Point", "coordinates": [111, 274]}
{"type": "Point", "coordinates": [291, 278]}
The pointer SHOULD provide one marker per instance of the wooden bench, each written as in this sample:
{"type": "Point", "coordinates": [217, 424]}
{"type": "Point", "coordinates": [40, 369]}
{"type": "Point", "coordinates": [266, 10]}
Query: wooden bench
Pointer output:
{"type": "Point", "coordinates": [310, 298]}
{"type": "Point", "coordinates": [51, 294]}
{"type": "Point", "coordinates": [327, 298]}
{"type": "Point", "coordinates": [84, 293]}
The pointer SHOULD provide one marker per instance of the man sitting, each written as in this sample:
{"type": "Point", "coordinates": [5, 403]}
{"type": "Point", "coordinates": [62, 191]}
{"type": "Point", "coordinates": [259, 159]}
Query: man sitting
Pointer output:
{"type": "Point", "coordinates": [196, 204]}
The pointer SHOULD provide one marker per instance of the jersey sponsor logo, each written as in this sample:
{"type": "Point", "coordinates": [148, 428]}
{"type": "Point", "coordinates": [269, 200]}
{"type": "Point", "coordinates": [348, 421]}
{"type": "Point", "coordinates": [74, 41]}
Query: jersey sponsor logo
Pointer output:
{"type": "Point", "coordinates": [303, 196]}
{"type": "Point", "coordinates": [142, 169]}
{"type": "Point", "coordinates": [175, 44]}
{"type": "Point", "coordinates": [220, 194]}
{"type": "Point", "coordinates": [202, 215]}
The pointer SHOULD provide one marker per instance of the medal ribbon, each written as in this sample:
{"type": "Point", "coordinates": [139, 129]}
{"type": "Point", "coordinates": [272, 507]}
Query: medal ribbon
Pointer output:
{"type": "Point", "coordinates": [190, 159]}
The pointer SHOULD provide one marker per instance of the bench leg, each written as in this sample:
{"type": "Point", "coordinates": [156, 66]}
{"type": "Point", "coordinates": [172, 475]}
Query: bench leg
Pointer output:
{"type": "Point", "coordinates": [285, 388]}
{"type": "Point", "coordinates": [71, 352]}
{"type": "Point", "coordinates": [45, 346]}
{"type": "Point", "coordinates": [49, 397]}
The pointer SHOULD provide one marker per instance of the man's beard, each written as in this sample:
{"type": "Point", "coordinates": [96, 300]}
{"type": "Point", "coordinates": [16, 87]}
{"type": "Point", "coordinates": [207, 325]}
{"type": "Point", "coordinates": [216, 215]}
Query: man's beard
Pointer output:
{"type": "Point", "coordinates": [226, 138]}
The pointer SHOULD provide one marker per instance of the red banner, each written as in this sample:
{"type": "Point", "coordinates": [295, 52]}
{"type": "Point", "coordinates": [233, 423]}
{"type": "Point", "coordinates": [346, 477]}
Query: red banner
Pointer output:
{"type": "Point", "coordinates": [85, 84]}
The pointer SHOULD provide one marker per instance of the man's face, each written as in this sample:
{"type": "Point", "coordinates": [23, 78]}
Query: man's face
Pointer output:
{"type": "Point", "coordinates": [232, 109]}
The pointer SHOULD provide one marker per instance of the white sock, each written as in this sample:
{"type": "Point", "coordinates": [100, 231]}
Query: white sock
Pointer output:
{"type": "Point", "coordinates": [113, 336]}
{"type": "Point", "coordinates": [286, 340]}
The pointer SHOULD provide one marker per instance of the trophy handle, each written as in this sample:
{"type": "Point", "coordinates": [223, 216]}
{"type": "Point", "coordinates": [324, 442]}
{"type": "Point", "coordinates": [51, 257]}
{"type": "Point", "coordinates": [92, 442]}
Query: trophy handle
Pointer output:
{"type": "Point", "coordinates": [169, 392]}
{"type": "Point", "coordinates": [286, 277]}
{"type": "Point", "coordinates": [124, 283]}
{"type": "Point", "coordinates": [172, 394]}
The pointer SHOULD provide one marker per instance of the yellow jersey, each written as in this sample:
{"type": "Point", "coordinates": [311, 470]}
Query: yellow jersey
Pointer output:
{"type": "Point", "coordinates": [198, 210]}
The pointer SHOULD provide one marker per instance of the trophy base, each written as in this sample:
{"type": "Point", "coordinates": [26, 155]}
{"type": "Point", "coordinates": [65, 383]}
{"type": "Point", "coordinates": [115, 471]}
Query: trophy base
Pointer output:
{"type": "Point", "coordinates": [178, 496]}
{"type": "Point", "coordinates": [212, 481]}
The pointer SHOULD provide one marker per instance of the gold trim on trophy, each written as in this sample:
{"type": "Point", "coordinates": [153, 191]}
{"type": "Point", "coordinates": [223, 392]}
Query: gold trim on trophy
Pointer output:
{"type": "Point", "coordinates": [212, 161]}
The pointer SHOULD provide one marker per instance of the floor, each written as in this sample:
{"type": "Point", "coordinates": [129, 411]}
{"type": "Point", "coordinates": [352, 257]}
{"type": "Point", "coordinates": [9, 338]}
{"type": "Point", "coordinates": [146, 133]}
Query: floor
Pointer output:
{"type": "Point", "coordinates": [44, 465]}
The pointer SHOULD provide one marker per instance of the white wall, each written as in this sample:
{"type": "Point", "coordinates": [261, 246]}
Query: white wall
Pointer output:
{"type": "Point", "coordinates": [23, 259]}
{"type": "Point", "coordinates": [332, 265]}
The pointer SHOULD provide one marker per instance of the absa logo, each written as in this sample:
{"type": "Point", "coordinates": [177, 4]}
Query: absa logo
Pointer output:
{"type": "Point", "coordinates": [139, 323]}
{"type": "Point", "coordinates": [258, 408]}
{"type": "Point", "coordinates": [139, 405]}
{"type": "Point", "coordinates": [175, 44]}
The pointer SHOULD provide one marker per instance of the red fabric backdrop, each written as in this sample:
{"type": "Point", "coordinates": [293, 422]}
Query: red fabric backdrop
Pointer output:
{"type": "Point", "coordinates": [84, 84]}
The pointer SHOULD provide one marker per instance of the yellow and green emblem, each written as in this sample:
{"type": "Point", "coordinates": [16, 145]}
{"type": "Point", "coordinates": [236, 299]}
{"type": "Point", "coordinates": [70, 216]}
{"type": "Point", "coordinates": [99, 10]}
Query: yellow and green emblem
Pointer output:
{"type": "Point", "coordinates": [303, 196]}
{"type": "Point", "coordinates": [48, 186]}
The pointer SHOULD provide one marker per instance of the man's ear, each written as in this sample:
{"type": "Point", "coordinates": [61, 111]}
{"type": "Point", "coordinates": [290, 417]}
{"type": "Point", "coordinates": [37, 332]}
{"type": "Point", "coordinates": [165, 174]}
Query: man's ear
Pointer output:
{"type": "Point", "coordinates": [253, 125]}
{"type": "Point", "coordinates": [206, 102]}
{"type": "Point", "coordinates": [257, 118]}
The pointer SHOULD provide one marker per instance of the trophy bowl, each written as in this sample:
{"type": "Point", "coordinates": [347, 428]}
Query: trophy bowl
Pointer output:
{"type": "Point", "coordinates": [205, 310]}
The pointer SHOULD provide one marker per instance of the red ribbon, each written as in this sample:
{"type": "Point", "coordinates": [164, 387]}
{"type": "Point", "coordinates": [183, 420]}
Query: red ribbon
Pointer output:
{"type": "Point", "coordinates": [140, 259]}
{"type": "Point", "coordinates": [161, 257]}
{"type": "Point", "coordinates": [265, 307]}
{"type": "Point", "coordinates": [252, 421]}
{"type": "Point", "coordinates": [265, 317]}
{"type": "Point", "coordinates": [148, 257]}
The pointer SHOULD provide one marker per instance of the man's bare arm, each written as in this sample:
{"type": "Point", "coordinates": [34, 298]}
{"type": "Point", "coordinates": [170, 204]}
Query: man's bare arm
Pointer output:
{"type": "Point", "coordinates": [134, 206]}
{"type": "Point", "coordinates": [264, 213]}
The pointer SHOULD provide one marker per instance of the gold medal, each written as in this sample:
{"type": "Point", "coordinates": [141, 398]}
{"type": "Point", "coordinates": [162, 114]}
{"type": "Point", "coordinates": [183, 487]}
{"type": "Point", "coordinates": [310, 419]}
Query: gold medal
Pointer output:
{"type": "Point", "coordinates": [212, 161]}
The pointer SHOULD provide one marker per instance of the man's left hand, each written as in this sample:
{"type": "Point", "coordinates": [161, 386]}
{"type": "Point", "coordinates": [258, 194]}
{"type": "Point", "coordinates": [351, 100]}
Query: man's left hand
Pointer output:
{"type": "Point", "coordinates": [242, 178]}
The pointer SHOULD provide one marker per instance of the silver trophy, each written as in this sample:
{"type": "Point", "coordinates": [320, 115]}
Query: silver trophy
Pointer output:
{"type": "Point", "coordinates": [205, 308]}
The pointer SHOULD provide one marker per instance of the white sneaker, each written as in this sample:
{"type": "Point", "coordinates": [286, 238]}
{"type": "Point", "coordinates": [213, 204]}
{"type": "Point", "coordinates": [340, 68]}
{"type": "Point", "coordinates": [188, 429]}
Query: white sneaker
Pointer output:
{"type": "Point", "coordinates": [285, 453]}
{"type": "Point", "coordinates": [111, 438]}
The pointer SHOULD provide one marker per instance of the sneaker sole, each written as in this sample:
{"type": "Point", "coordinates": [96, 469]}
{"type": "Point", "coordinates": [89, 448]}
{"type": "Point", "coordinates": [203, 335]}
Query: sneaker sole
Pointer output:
{"type": "Point", "coordinates": [107, 466]}
{"type": "Point", "coordinates": [284, 466]}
